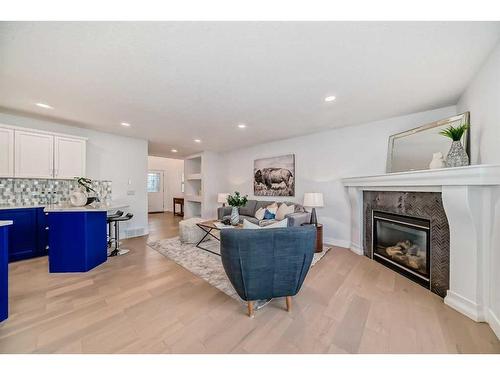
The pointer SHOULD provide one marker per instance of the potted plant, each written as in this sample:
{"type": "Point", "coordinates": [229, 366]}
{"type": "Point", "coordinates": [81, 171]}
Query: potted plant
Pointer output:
{"type": "Point", "coordinates": [235, 201]}
{"type": "Point", "coordinates": [457, 157]}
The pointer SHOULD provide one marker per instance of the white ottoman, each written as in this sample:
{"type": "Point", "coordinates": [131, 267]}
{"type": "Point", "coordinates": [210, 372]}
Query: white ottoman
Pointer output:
{"type": "Point", "coordinates": [189, 232]}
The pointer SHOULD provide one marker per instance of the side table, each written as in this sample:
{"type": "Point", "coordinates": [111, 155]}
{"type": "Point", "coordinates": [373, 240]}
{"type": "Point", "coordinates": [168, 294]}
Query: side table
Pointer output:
{"type": "Point", "coordinates": [319, 237]}
{"type": "Point", "coordinates": [180, 202]}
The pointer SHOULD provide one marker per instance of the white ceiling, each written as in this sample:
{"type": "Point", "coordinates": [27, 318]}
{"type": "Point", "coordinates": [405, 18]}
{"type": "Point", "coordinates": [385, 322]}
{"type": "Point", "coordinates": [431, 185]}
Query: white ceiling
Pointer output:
{"type": "Point", "coordinates": [176, 81]}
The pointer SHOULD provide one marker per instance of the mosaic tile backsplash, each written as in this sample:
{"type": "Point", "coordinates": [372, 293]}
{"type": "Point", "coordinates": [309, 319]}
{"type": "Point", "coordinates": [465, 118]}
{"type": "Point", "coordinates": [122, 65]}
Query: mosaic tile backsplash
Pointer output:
{"type": "Point", "coordinates": [32, 191]}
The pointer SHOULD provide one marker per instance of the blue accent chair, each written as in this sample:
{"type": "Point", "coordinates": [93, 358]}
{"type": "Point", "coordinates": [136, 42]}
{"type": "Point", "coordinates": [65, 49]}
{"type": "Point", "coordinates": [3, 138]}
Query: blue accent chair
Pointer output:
{"type": "Point", "coordinates": [267, 263]}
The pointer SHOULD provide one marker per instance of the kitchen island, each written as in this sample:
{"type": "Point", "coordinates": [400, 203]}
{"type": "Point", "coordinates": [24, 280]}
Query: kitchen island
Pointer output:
{"type": "Point", "coordinates": [4, 269]}
{"type": "Point", "coordinates": [77, 237]}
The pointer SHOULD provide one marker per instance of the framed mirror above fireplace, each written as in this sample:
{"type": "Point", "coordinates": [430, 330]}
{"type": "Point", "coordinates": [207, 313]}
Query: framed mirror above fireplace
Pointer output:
{"type": "Point", "coordinates": [412, 150]}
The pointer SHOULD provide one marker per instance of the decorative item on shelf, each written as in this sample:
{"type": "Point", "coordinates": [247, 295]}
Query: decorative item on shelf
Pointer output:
{"type": "Point", "coordinates": [313, 200]}
{"type": "Point", "coordinates": [236, 201]}
{"type": "Point", "coordinates": [437, 161]}
{"type": "Point", "coordinates": [222, 198]}
{"type": "Point", "coordinates": [457, 156]}
{"type": "Point", "coordinates": [86, 184]}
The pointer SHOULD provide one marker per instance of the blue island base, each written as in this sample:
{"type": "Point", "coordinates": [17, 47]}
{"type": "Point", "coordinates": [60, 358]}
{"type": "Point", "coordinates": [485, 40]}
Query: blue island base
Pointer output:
{"type": "Point", "coordinates": [77, 240]}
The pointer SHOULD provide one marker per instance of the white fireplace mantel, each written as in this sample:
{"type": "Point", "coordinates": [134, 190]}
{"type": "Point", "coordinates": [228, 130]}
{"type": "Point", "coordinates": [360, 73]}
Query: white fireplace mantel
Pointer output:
{"type": "Point", "coordinates": [471, 199]}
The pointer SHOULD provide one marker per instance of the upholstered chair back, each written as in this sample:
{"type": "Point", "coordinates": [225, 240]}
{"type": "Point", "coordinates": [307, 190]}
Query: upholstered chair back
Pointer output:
{"type": "Point", "coordinates": [267, 263]}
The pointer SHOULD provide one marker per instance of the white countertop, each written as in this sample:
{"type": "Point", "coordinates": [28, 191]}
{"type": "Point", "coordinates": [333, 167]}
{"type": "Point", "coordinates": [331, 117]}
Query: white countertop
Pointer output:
{"type": "Point", "coordinates": [110, 206]}
{"type": "Point", "coordinates": [99, 207]}
{"type": "Point", "coordinates": [5, 222]}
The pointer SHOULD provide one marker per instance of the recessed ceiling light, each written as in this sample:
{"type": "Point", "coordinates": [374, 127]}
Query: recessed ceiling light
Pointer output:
{"type": "Point", "coordinates": [197, 140]}
{"type": "Point", "coordinates": [43, 105]}
{"type": "Point", "coordinates": [330, 98]}
{"type": "Point", "coordinates": [173, 150]}
{"type": "Point", "coordinates": [242, 126]}
{"type": "Point", "coordinates": [126, 124]}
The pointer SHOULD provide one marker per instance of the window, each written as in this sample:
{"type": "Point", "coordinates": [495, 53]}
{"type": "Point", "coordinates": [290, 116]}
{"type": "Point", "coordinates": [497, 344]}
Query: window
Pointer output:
{"type": "Point", "coordinates": [154, 182]}
{"type": "Point", "coordinates": [182, 182]}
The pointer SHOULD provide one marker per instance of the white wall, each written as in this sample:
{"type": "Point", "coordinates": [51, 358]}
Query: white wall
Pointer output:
{"type": "Point", "coordinates": [322, 159]}
{"type": "Point", "coordinates": [482, 99]}
{"type": "Point", "coordinates": [173, 168]}
{"type": "Point", "coordinates": [123, 160]}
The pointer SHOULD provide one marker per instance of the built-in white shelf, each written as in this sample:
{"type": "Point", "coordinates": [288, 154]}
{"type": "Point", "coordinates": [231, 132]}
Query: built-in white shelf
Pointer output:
{"type": "Point", "coordinates": [193, 198]}
{"type": "Point", "coordinates": [194, 176]}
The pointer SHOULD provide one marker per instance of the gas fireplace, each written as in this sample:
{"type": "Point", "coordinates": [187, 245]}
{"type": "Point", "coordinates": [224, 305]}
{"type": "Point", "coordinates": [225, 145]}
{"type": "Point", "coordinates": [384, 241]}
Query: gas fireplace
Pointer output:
{"type": "Point", "coordinates": [402, 243]}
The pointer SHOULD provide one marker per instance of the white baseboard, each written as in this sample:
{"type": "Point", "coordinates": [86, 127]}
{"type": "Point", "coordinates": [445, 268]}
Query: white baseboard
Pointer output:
{"type": "Point", "coordinates": [494, 322]}
{"type": "Point", "coordinates": [465, 306]}
{"type": "Point", "coordinates": [133, 232]}
{"type": "Point", "coordinates": [336, 242]}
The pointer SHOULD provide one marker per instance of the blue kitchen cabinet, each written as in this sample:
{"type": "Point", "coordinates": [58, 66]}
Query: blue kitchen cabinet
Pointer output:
{"type": "Point", "coordinates": [4, 272]}
{"type": "Point", "coordinates": [42, 223]}
{"type": "Point", "coordinates": [28, 234]}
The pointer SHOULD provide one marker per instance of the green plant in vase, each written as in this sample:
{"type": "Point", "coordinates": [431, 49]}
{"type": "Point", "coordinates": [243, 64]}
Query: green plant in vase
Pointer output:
{"type": "Point", "coordinates": [457, 157]}
{"type": "Point", "coordinates": [236, 200]}
{"type": "Point", "coordinates": [86, 184]}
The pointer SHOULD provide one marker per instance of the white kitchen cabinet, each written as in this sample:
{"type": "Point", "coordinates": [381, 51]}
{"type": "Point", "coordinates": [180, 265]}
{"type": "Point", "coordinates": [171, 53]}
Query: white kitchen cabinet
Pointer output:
{"type": "Point", "coordinates": [6, 152]}
{"type": "Point", "coordinates": [34, 154]}
{"type": "Point", "coordinates": [69, 157]}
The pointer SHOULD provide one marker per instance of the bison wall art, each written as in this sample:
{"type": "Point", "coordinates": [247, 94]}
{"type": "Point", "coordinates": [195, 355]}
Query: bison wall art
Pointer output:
{"type": "Point", "coordinates": [274, 176]}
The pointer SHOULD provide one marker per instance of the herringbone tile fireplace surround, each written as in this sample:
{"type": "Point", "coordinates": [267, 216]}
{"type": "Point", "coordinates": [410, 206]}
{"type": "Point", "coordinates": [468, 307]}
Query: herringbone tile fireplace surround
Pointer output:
{"type": "Point", "coordinates": [425, 205]}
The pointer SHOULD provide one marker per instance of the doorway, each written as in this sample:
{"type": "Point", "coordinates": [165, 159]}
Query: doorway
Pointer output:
{"type": "Point", "coordinates": [156, 191]}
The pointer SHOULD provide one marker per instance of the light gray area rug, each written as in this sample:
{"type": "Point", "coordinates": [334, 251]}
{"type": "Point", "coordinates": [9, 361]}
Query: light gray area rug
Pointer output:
{"type": "Point", "coordinates": [206, 265]}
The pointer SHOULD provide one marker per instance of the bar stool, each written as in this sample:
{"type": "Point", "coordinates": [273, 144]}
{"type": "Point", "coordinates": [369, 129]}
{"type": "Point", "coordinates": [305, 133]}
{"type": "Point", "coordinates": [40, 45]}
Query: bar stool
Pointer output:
{"type": "Point", "coordinates": [109, 218]}
{"type": "Point", "coordinates": [117, 250]}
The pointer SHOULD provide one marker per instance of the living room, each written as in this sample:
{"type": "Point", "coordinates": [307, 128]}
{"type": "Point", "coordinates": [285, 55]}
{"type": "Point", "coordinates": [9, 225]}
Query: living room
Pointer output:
{"type": "Point", "coordinates": [249, 187]}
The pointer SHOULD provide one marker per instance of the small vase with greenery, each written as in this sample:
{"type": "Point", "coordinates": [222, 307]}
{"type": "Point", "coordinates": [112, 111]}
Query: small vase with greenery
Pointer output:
{"type": "Point", "coordinates": [457, 157]}
{"type": "Point", "coordinates": [235, 201]}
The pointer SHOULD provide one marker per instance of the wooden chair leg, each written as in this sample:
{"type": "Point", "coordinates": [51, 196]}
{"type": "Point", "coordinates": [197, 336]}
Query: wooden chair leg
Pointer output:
{"type": "Point", "coordinates": [250, 309]}
{"type": "Point", "coordinates": [288, 303]}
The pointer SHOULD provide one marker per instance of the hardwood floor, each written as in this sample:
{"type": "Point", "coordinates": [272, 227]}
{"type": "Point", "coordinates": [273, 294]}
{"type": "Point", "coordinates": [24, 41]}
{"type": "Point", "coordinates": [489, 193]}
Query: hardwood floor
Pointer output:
{"type": "Point", "coordinates": [144, 303]}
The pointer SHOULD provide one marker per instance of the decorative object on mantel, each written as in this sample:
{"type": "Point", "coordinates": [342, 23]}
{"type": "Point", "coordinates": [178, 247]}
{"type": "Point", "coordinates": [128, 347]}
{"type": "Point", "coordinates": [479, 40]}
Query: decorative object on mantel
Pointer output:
{"type": "Point", "coordinates": [236, 201]}
{"type": "Point", "coordinates": [274, 176]}
{"type": "Point", "coordinates": [411, 150]}
{"type": "Point", "coordinates": [437, 161]}
{"type": "Point", "coordinates": [457, 157]}
{"type": "Point", "coordinates": [313, 200]}
{"type": "Point", "coordinates": [222, 198]}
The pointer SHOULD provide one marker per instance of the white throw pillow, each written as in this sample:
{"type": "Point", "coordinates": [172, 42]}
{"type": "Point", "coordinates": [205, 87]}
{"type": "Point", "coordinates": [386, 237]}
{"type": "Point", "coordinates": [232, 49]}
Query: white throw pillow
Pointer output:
{"type": "Point", "coordinates": [259, 214]}
{"type": "Point", "coordinates": [272, 208]}
{"type": "Point", "coordinates": [278, 224]}
{"type": "Point", "coordinates": [284, 210]}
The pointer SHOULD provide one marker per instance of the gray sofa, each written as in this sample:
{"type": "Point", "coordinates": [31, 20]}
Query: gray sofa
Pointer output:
{"type": "Point", "coordinates": [299, 217]}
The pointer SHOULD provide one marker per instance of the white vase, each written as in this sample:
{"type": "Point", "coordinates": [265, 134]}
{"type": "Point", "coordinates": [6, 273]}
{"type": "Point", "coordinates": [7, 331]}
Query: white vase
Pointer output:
{"type": "Point", "coordinates": [78, 198]}
{"type": "Point", "coordinates": [437, 161]}
{"type": "Point", "coordinates": [235, 216]}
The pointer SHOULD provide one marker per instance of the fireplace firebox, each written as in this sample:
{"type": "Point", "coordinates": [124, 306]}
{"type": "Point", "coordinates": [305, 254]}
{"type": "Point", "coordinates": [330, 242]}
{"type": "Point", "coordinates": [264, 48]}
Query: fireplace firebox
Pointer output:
{"type": "Point", "coordinates": [402, 243]}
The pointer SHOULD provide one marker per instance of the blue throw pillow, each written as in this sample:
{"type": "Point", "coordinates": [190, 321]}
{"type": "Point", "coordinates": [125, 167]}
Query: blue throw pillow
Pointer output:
{"type": "Point", "coordinates": [269, 215]}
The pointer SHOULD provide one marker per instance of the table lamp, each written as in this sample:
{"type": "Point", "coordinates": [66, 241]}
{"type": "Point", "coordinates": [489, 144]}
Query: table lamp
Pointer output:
{"type": "Point", "coordinates": [313, 200]}
{"type": "Point", "coordinates": [222, 198]}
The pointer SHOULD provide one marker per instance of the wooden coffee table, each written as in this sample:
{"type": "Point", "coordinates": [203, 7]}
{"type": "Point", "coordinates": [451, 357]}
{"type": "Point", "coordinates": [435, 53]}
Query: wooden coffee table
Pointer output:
{"type": "Point", "coordinates": [209, 226]}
